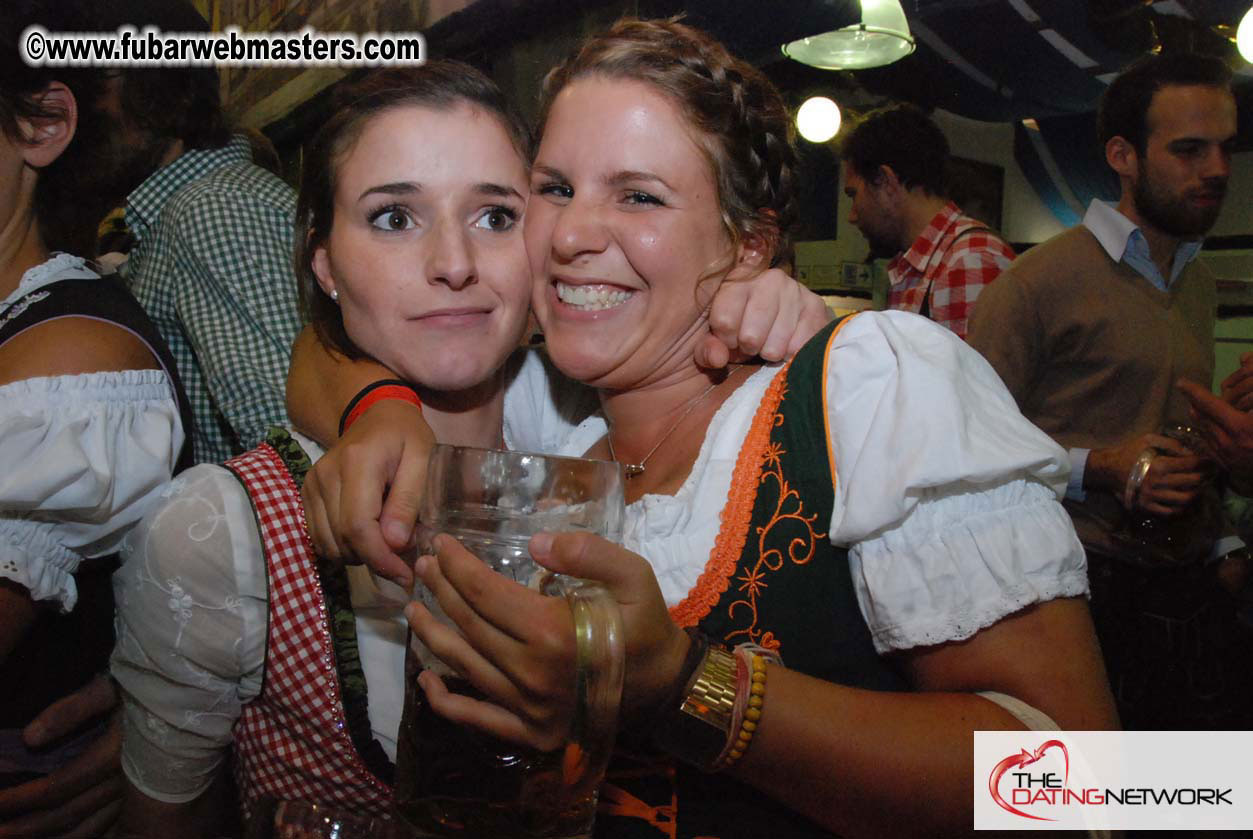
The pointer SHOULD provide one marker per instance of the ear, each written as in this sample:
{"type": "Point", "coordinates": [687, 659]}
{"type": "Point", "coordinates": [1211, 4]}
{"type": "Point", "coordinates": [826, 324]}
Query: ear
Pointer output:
{"type": "Point", "coordinates": [1122, 157]}
{"type": "Point", "coordinates": [755, 252]}
{"type": "Point", "coordinates": [885, 179]}
{"type": "Point", "coordinates": [322, 270]}
{"type": "Point", "coordinates": [45, 138]}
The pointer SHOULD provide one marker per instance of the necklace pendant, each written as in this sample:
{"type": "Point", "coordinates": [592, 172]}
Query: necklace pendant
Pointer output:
{"type": "Point", "coordinates": [633, 470]}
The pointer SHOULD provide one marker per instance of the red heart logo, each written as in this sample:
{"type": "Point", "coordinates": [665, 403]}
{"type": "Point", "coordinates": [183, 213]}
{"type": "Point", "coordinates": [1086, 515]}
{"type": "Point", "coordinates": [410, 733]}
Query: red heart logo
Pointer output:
{"type": "Point", "coordinates": [1024, 758]}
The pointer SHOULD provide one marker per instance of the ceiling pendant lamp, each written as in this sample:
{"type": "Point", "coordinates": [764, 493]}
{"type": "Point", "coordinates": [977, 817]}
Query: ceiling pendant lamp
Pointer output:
{"type": "Point", "coordinates": [881, 37]}
{"type": "Point", "coordinates": [1244, 36]}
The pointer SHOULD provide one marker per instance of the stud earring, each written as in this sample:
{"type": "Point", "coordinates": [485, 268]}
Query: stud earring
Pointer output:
{"type": "Point", "coordinates": [335, 294]}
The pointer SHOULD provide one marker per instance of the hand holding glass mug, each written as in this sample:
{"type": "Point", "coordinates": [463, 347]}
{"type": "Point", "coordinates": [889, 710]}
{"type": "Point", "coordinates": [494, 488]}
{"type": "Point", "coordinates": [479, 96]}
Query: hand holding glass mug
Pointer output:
{"type": "Point", "coordinates": [521, 667]}
{"type": "Point", "coordinates": [513, 644]}
{"type": "Point", "coordinates": [1163, 472]}
{"type": "Point", "coordinates": [655, 646]}
{"type": "Point", "coordinates": [1173, 507]}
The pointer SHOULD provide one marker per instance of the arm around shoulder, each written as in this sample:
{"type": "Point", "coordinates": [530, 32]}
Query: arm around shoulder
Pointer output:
{"type": "Point", "coordinates": [321, 383]}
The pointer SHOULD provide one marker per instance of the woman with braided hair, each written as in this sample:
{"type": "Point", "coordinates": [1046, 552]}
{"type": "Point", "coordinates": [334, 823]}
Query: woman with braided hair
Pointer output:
{"type": "Point", "coordinates": [233, 638]}
{"type": "Point", "coordinates": [853, 561]}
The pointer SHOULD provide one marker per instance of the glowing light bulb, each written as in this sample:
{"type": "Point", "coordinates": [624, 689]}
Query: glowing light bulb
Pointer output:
{"type": "Point", "coordinates": [818, 120]}
{"type": "Point", "coordinates": [1244, 36]}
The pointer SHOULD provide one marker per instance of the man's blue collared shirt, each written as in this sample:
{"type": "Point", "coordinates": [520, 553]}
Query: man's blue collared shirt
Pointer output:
{"type": "Point", "coordinates": [1123, 240]}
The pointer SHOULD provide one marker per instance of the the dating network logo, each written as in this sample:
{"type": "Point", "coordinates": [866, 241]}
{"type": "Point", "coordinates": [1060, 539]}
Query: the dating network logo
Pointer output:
{"type": "Point", "coordinates": [1126, 780]}
{"type": "Point", "coordinates": [1046, 781]}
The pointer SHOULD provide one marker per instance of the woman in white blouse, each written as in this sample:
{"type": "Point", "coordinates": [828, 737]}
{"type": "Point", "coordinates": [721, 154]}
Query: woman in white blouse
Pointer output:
{"type": "Point", "coordinates": [412, 191]}
{"type": "Point", "coordinates": [89, 431]}
{"type": "Point", "coordinates": [410, 203]}
{"type": "Point", "coordinates": [878, 513]}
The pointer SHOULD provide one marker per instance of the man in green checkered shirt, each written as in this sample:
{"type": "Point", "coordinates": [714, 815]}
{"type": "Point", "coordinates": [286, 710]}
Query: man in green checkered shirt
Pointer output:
{"type": "Point", "coordinates": [213, 267]}
{"type": "Point", "coordinates": [213, 259]}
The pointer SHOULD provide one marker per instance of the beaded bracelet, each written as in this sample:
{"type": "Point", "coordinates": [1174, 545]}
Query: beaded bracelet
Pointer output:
{"type": "Point", "coordinates": [750, 698]}
{"type": "Point", "coordinates": [374, 393]}
{"type": "Point", "coordinates": [712, 722]}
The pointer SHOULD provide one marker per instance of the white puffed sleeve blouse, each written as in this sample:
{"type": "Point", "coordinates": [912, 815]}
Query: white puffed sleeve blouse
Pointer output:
{"type": "Point", "coordinates": [947, 497]}
{"type": "Point", "coordinates": [193, 603]}
{"type": "Point", "coordinates": [81, 457]}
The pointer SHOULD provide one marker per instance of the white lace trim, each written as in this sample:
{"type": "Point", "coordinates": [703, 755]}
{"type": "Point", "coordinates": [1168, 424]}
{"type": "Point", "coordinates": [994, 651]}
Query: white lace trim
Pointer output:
{"type": "Point", "coordinates": [34, 557]}
{"type": "Point", "coordinates": [960, 626]}
{"type": "Point", "coordinates": [61, 266]}
{"type": "Point", "coordinates": [83, 456]}
{"type": "Point", "coordinates": [21, 306]}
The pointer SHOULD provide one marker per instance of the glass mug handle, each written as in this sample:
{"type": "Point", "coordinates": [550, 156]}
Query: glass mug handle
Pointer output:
{"type": "Point", "coordinates": [599, 669]}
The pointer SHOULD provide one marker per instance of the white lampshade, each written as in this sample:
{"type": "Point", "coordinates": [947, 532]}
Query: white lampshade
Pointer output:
{"type": "Point", "coordinates": [1244, 36]}
{"type": "Point", "coordinates": [818, 119]}
{"type": "Point", "coordinates": [881, 38]}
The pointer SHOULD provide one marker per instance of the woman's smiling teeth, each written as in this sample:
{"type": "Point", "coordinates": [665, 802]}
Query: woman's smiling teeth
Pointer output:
{"type": "Point", "coordinates": [591, 298]}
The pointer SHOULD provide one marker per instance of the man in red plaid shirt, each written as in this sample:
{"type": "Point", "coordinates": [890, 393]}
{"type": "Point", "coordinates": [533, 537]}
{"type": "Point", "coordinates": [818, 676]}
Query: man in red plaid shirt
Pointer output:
{"type": "Point", "coordinates": [894, 163]}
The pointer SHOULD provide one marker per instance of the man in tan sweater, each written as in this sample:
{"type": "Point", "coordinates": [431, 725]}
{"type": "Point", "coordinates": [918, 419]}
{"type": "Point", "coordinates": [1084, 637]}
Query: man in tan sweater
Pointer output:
{"type": "Point", "coordinates": [1090, 331]}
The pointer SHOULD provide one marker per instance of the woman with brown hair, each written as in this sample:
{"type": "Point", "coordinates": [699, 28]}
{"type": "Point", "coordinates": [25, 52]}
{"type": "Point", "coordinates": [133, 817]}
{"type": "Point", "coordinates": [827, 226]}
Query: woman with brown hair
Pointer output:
{"type": "Point", "coordinates": [233, 634]}
{"type": "Point", "coordinates": [876, 513]}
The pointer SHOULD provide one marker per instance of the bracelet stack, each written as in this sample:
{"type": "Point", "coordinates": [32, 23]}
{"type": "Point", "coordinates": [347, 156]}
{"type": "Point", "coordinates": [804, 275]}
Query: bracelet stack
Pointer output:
{"type": "Point", "coordinates": [750, 698]}
{"type": "Point", "coordinates": [374, 393]}
{"type": "Point", "coordinates": [713, 721]}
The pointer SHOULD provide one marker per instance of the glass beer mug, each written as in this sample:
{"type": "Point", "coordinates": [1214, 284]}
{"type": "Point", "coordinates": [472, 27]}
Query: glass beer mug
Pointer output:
{"type": "Point", "coordinates": [1186, 537]}
{"type": "Point", "coordinates": [452, 780]}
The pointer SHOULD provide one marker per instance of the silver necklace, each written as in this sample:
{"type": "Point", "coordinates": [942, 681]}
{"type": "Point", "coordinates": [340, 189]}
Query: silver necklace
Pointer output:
{"type": "Point", "coordinates": [634, 470]}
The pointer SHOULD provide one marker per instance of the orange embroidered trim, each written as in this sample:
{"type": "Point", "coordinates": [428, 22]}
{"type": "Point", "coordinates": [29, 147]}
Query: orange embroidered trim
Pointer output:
{"type": "Point", "coordinates": [738, 512]}
{"type": "Point", "coordinates": [788, 508]}
{"type": "Point", "coordinates": [826, 414]}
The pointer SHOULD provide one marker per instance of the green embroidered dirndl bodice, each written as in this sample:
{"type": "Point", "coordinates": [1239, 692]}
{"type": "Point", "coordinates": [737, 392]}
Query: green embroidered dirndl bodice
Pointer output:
{"type": "Point", "coordinates": [773, 579]}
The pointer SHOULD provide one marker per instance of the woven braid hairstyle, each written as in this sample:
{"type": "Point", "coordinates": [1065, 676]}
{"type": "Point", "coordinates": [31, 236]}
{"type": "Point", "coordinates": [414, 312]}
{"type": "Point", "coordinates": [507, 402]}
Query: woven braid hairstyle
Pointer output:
{"type": "Point", "coordinates": [742, 123]}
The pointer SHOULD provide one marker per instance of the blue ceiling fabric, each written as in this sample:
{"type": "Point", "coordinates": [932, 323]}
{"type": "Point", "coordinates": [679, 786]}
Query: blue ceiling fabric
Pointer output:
{"type": "Point", "coordinates": [998, 67]}
{"type": "Point", "coordinates": [1006, 60]}
{"type": "Point", "coordinates": [1078, 152]}
{"type": "Point", "coordinates": [1031, 155]}
{"type": "Point", "coordinates": [1047, 62]}
{"type": "Point", "coordinates": [1064, 163]}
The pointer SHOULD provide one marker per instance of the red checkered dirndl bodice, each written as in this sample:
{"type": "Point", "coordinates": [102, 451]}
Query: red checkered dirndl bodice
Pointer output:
{"type": "Point", "coordinates": [292, 742]}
